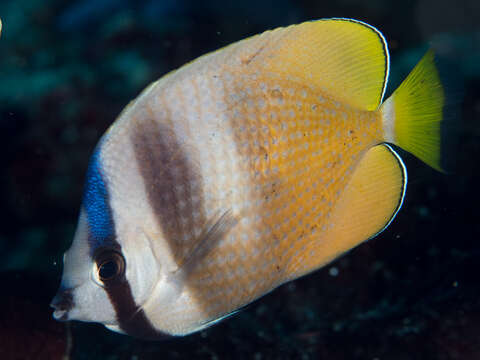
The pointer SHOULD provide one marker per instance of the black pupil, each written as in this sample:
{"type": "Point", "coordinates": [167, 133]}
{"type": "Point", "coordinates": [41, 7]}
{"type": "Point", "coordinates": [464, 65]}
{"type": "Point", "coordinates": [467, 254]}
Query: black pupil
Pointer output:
{"type": "Point", "coordinates": [108, 269]}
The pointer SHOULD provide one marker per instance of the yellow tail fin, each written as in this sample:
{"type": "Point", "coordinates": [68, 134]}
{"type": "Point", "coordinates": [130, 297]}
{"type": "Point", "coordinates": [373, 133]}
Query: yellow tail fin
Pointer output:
{"type": "Point", "coordinates": [412, 116]}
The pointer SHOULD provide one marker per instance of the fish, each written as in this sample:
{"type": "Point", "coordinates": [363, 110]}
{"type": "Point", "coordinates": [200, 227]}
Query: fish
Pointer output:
{"type": "Point", "coordinates": [246, 168]}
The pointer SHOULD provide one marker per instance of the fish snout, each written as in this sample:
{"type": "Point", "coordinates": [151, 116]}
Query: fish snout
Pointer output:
{"type": "Point", "coordinates": [62, 303]}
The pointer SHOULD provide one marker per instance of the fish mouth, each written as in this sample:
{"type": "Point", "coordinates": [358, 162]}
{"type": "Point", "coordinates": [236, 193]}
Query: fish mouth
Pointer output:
{"type": "Point", "coordinates": [62, 303]}
{"type": "Point", "coordinates": [60, 315]}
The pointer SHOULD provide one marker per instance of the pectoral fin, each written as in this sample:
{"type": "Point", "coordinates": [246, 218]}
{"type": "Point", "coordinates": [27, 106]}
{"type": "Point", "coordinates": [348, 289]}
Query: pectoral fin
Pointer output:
{"type": "Point", "coordinates": [213, 233]}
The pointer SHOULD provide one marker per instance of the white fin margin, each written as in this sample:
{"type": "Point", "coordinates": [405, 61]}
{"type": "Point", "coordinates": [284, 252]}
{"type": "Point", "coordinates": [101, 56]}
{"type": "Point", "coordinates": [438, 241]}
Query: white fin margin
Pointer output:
{"type": "Point", "coordinates": [385, 46]}
{"type": "Point", "coordinates": [404, 190]}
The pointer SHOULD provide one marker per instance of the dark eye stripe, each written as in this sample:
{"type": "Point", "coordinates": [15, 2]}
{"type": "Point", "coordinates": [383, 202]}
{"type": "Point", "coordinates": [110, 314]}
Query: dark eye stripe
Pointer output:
{"type": "Point", "coordinates": [96, 201]}
{"type": "Point", "coordinates": [131, 320]}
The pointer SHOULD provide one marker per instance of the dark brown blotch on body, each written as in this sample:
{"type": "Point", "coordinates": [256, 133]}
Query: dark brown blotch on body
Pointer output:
{"type": "Point", "coordinates": [172, 184]}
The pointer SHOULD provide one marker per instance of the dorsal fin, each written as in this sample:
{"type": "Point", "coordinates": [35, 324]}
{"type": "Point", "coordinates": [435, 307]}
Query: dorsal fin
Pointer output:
{"type": "Point", "coordinates": [347, 59]}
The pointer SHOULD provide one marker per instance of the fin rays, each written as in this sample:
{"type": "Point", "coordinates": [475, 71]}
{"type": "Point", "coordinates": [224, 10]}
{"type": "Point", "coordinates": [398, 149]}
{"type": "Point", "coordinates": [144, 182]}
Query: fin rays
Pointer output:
{"type": "Point", "coordinates": [206, 242]}
{"type": "Point", "coordinates": [368, 205]}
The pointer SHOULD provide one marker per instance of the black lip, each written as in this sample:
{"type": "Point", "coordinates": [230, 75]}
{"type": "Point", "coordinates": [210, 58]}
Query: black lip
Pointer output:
{"type": "Point", "coordinates": [63, 302]}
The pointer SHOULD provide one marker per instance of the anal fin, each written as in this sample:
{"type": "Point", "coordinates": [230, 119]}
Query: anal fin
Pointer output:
{"type": "Point", "coordinates": [366, 207]}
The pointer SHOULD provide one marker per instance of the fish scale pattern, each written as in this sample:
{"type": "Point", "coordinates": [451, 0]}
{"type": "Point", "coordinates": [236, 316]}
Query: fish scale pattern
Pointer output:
{"type": "Point", "coordinates": [298, 148]}
{"type": "Point", "coordinates": [246, 168]}
{"type": "Point", "coordinates": [272, 148]}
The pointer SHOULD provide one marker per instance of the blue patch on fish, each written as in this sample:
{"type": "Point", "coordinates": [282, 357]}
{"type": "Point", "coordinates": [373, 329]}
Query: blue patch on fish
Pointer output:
{"type": "Point", "coordinates": [96, 202]}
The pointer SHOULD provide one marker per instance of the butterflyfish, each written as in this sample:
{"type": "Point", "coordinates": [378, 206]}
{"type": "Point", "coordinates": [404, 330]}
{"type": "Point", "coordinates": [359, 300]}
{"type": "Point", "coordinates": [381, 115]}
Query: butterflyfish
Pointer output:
{"type": "Point", "coordinates": [242, 170]}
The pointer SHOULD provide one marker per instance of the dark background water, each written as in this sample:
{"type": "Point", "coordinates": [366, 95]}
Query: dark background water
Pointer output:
{"type": "Point", "coordinates": [67, 68]}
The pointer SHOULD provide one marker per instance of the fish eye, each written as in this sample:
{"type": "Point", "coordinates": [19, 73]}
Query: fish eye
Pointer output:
{"type": "Point", "coordinates": [110, 265]}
